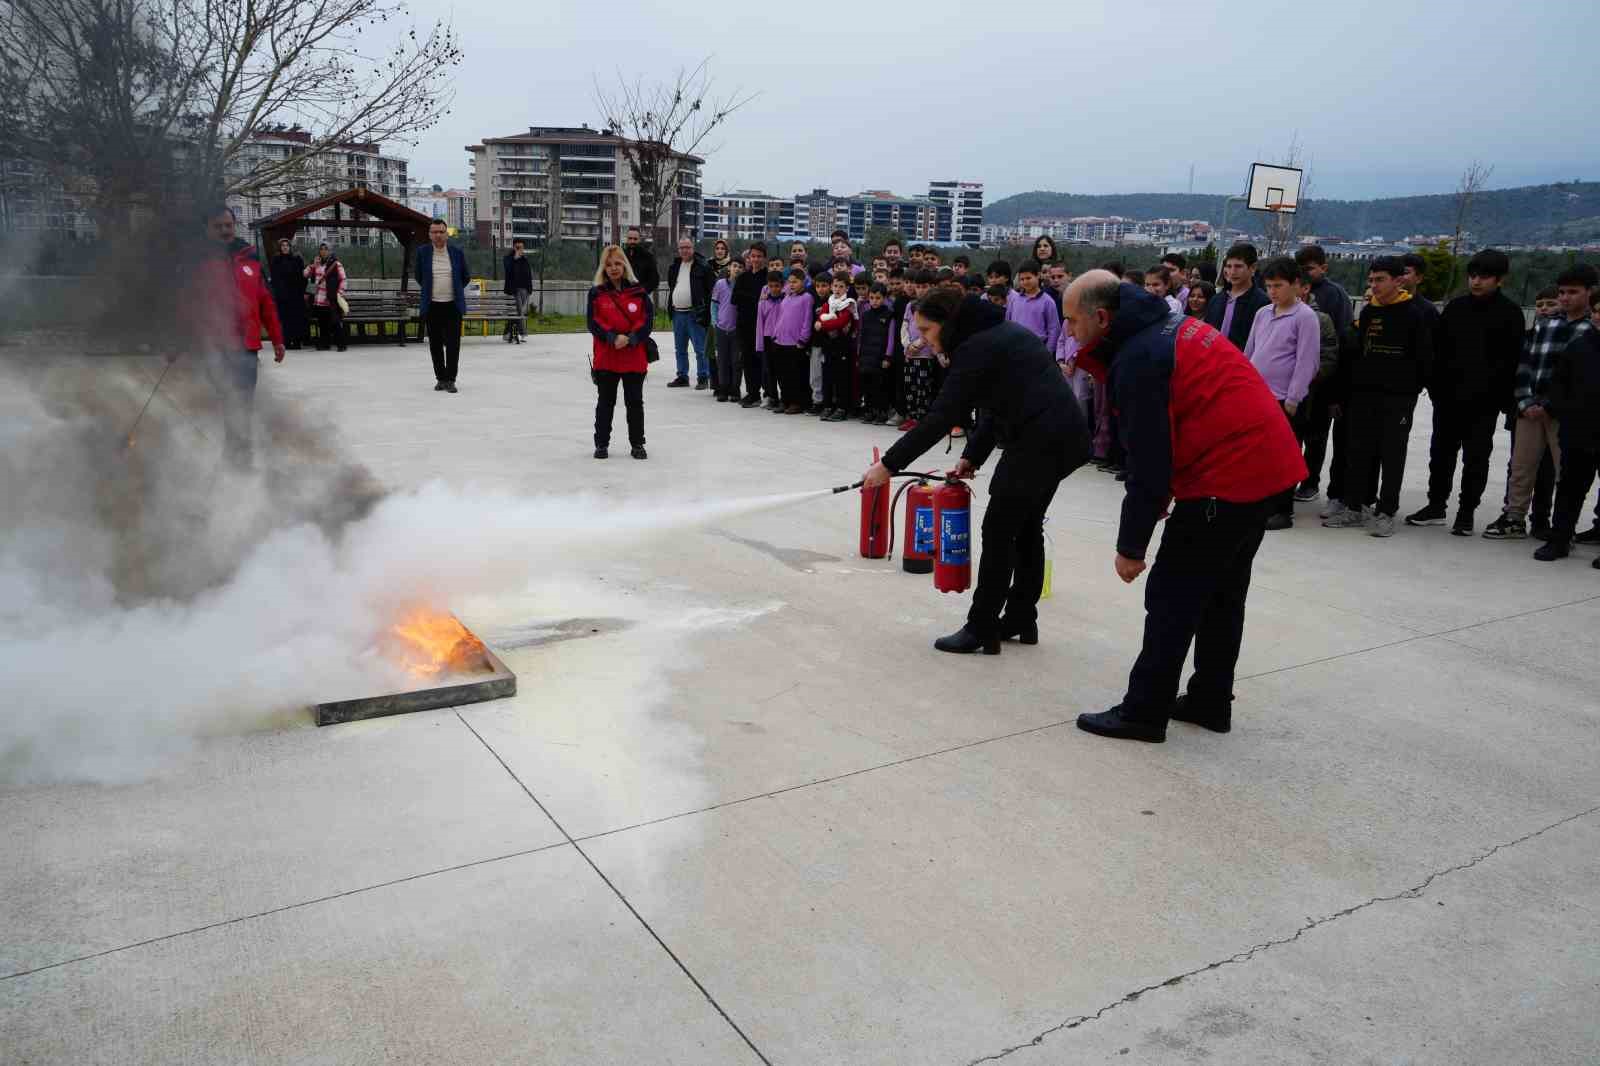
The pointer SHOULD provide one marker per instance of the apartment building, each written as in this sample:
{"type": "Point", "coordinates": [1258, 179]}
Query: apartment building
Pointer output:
{"type": "Point", "coordinates": [344, 166]}
{"type": "Point", "coordinates": [746, 215]}
{"type": "Point", "coordinates": [964, 201]}
{"type": "Point", "coordinates": [33, 204]}
{"type": "Point", "coordinates": [571, 184]}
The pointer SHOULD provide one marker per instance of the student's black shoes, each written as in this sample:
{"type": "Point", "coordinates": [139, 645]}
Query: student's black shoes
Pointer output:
{"type": "Point", "coordinates": [601, 453]}
{"type": "Point", "coordinates": [1506, 527]}
{"type": "Point", "coordinates": [1118, 726]}
{"type": "Point", "coordinates": [678, 383]}
{"type": "Point", "coordinates": [1589, 536]}
{"type": "Point", "coordinates": [1218, 720]}
{"type": "Point", "coordinates": [1462, 527]}
{"type": "Point", "coordinates": [964, 642]}
{"type": "Point", "coordinates": [438, 386]}
{"type": "Point", "coordinates": [1279, 521]}
{"type": "Point", "coordinates": [1428, 516]}
{"type": "Point", "coordinates": [449, 386]}
{"type": "Point", "coordinates": [640, 453]}
{"type": "Point", "coordinates": [1027, 633]}
{"type": "Point", "coordinates": [1551, 550]}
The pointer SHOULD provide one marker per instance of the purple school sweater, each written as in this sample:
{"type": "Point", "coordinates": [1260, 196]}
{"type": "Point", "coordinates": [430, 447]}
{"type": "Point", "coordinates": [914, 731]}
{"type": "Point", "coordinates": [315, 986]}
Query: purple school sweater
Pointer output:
{"type": "Point", "coordinates": [792, 327]}
{"type": "Point", "coordinates": [1039, 314]}
{"type": "Point", "coordinates": [727, 314]}
{"type": "Point", "coordinates": [766, 318]}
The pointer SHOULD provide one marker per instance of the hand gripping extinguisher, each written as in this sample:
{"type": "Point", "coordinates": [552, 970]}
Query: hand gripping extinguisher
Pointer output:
{"type": "Point", "coordinates": [952, 526]}
{"type": "Point", "coordinates": [876, 530]}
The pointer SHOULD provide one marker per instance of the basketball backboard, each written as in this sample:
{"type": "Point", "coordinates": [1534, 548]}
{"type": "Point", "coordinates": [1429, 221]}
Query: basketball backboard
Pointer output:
{"type": "Point", "coordinates": [1274, 188]}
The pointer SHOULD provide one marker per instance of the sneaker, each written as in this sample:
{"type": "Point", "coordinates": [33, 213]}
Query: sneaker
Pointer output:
{"type": "Point", "coordinates": [1382, 526]}
{"type": "Point", "coordinates": [438, 386]}
{"type": "Point", "coordinates": [449, 386]}
{"type": "Point", "coordinates": [868, 417]}
{"type": "Point", "coordinates": [601, 453]}
{"type": "Point", "coordinates": [893, 417]}
{"type": "Point", "coordinates": [794, 409]}
{"type": "Point", "coordinates": [678, 383]}
{"type": "Point", "coordinates": [1345, 518]}
{"type": "Point", "coordinates": [1506, 527]}
{"type": "Point", "coordinates": [887, 420]}
{"type": "Point", "coordinates": [640, 453]}
{"type": "Point", "coordinates": [1551, 550]}
{"type": "Point", "coordinates": [747, 404]}
{"type": "Point", "coordinates": [1431, 515]}
{"type": "Point", "coordinates": [774, 405]}
{"type": "Point", "coordinates": [702, 385]}
{"type": "Point", "coordinates": [1306, 493]}
{"type": "Point", "coordinates": [723, 399]}
{"type": "Point", "coordinates": [1588, 536]}
{"type": "Point", "coordinates": [1462, 526]}
{"type": "Point", "coordinates": [1334, 508]}
{"type": "Point", "coordinates": [1279, 521]}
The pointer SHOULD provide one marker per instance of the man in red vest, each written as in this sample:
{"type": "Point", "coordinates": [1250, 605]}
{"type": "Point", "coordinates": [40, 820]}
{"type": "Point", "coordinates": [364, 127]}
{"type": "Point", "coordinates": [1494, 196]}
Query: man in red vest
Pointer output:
{"type": "Point", "coordinates": [1207, 447]}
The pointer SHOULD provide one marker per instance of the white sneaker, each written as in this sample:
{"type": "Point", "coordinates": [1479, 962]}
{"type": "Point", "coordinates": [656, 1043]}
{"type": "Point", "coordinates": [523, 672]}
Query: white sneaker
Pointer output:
{"type": "Point", "coordinates": [1346, 519]}
{"type": "Point", "coordinates": [1382, 526]}
{"type": "Point", "coordinates": [1334, 508]}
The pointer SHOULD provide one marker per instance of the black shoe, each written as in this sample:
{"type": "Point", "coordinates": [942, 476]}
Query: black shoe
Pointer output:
{"type": "Point", "coordinates": [702, 385]}
{"type": "Point", "coordinates": [602, 453]}
{"type": "Point", "coordinates": [964, 642]}
{"type": "Point", "coordinates": [1115, 724]}
{"type": "Point", "coordinates": [449, 386]}
{"type": "Point", "coordinates": [1506, 527]}
{"type": "Point", "coordinates": [1212, 718]}
{"type": "Point", "coordinates": [1551, 550]}
{"type": "Point", "coordinates": [750, 403]}
{"type": "Point", "coordinates": [1280, 521]}
{"type": "Point", "coordinates": [723, 399]}
{"type": "Point", "coordinates": [1026, 633]}
{"type": "Point", "coordinates": [1595, 565]}
{"type": "Point", "coordinates": [1431, 515]}
{"type": "Point", "coordinates": [1539, 531]}
{"type": "Point", "coordinates": [438, 386]}
{"type": "Point", "coordinates": [1588, 536]}
{"type": "Point", "coordinates": [1462, 526]}
{"type": "Point", "coordinates": [678, 383]}
{"type": "Point", "coordinates": [640, 453]}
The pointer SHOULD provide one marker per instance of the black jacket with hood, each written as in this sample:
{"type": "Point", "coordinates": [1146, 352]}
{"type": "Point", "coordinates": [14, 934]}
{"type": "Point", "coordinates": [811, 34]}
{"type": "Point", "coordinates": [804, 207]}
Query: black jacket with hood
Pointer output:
{"type": "Point", "coordinates": [1244, 313]}
{"type": "Point", "coordinates": [1575, 391]}
{"type": "Point", "coordinates": [1476, 347]}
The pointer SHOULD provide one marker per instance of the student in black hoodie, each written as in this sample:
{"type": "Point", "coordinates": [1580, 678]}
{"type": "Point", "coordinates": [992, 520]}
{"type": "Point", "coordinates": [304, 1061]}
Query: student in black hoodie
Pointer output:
{"type": "Point", "coordinates": [1233, 309]}
{"type": "Point", "coordinates": [1575, 403]}
{"type": "Point", "coordinates": [747, 290]}
{"type": "Point", "coordinates": [1390, 364]}
{"type": "Point", "coordinates": [1477, 343]}
{"type": "Point", "coordinates": [875, 355]}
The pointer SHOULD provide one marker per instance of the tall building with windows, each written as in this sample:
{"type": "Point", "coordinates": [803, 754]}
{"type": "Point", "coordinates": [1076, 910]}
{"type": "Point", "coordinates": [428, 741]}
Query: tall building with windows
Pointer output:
{"type": "Point", "coordinates": [342, 167]}
{"type": "Point", "coordinates": [33, 204]}
{"type": "Point", "coordinates": [747, 215]}
{"type": "Point", "coordinates": [964, 199]}
{"type": "Point", "coordinates": [572, 184]}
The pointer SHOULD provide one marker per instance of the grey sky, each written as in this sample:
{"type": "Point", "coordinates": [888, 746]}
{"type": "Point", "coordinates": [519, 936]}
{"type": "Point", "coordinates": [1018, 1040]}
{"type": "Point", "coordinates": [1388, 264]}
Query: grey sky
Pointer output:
{"type": "Point", "coordinates": [1088, 96]}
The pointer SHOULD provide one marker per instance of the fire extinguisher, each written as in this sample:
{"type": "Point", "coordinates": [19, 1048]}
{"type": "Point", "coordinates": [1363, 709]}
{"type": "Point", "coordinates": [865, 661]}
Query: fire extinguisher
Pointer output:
{"type": "Point", "coordinates": [876, 529]}
{"type": "Point", "coordinates": [917, 555]}
{"type": "Point", "coordinates": [952, 524]}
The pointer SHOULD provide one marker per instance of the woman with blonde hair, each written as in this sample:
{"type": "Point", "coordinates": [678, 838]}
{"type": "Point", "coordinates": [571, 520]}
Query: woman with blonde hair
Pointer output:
{"type": "Point", "coordinates": [620, 315]}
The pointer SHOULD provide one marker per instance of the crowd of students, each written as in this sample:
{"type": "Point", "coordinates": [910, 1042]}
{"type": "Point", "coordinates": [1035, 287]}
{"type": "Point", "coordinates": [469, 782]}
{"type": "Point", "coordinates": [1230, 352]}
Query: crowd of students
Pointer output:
{"type": "Point", "coordinates": [838, 340]}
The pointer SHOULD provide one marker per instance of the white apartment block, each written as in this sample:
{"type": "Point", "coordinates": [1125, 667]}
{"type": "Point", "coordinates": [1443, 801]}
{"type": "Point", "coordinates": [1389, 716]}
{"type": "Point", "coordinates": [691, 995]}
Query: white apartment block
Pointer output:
{"type": "Point", "coordinates": [964, 199]}
{"type": "Point", "coordinates": [571, 184]}
{"type": "Point", "coordinates": [745, 215]}
{"type": "Point", "coordinates": [342, 167]}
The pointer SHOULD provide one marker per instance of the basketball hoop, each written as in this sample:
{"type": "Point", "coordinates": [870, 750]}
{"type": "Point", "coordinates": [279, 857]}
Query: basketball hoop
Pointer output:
{"type": "Point", "coordinates": [1273, 188]}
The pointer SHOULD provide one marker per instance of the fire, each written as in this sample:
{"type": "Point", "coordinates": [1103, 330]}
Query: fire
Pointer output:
{"type": "Point", "coordinates": [429, 643]}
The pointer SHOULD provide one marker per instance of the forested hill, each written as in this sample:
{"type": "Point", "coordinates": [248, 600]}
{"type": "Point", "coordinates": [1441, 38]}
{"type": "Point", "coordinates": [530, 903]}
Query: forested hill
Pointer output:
{"type": "Point", "coordinates": [1567, 213]}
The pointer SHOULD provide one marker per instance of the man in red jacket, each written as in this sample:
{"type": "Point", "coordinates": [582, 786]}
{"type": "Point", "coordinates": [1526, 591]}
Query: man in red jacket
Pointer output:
{"type": "Point", "coordinates": [1200, 427]}
{"type": "Point", "coordinates": [232, 303]}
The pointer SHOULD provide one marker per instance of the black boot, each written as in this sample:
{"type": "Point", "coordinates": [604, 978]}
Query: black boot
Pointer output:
{"type": "Point", "coordinates": [1026, 632]}
{"type": "Point", "coordinates": [1117, 725]}
{"type": "Point", "coordinates": [1206, 716]}
{"type": "Point", "coordinates": [964, 642]}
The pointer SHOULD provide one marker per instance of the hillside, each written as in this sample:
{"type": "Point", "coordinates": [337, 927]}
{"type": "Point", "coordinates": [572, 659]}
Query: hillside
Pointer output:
{"type": "Point", "coordinates": [1567, 213]}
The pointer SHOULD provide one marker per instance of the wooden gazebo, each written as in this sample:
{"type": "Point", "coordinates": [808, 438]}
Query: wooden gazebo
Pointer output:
{"type": "Point", "coordinates": [378, 212]}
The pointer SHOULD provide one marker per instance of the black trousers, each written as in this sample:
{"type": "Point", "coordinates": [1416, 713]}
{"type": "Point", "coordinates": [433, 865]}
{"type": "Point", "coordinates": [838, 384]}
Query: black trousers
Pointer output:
{"type": "Point", "coordinates": [1318, 424]}
{"type": "Point", "coordinates": [1459, 429]}
{"type": "Point", "coordinates": [605, 407]}
{"type": "Point", "coordinates": [836, 360]}
{"type": "Point", "coordinates": [1283, 502]}
{"type": "Point", "coordinates": [877, 390]}
{"type": "Point", "coordinates": [330, 327]}
{"type": "Point", "coordinates": [750, 359]}
{"type": "Point", "coordinates": [1379, 427]}
{"type": "Point", "coordinates": [1579, 463]}
{"type": "Point", "coordinates": [1195, 594]}
{"type": "Point", "coordinates": [444, 340]}
{"type": "Point", "coordinates": [791, 372]}
{"type": "Point", "coordinates": [1011, 559]}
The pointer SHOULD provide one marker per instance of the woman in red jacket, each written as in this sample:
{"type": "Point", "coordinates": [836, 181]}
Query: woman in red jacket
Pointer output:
{"type": "Point", "coordinates": [620, 316]}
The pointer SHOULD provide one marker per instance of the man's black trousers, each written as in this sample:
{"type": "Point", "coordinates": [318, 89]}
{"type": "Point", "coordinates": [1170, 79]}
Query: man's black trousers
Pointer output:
{"type": "Point", "coordinates": [1195, 593]}
{"type": "Point", "coordinates": [1011, 559]}
{"type": "Point", "coordinates": [444, 340]}
{"type": "Point", "coordinates": [1378, 427]}
{"type": "Point", "coordinates": [1460, 429]}
{"type": "Point", "coordinates": [606, 406]}
{"type": "Point", "coordinates": [1578, 466]}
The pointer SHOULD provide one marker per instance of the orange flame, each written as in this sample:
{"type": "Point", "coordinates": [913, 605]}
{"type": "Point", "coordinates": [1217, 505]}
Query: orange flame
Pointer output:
{"type": "Point", "coordinates": [429, 643]}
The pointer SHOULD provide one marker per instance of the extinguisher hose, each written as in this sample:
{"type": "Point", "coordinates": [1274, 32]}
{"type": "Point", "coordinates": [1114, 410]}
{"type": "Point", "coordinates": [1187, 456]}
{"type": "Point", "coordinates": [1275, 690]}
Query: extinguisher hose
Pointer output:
{"type": "Point", "coordinates": [904, 473]}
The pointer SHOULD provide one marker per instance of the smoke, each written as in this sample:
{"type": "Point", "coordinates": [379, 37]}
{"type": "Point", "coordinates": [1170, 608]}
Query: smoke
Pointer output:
{"type": "Point", "coordinates": [153, 596]}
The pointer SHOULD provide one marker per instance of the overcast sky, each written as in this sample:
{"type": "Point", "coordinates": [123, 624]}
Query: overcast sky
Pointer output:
{"type": "Point", "coordinates": [1083, 96]}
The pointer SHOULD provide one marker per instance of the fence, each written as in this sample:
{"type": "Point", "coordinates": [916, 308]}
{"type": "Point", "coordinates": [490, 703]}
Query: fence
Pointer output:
{"type": "Point", "coordinates": [553, 298]}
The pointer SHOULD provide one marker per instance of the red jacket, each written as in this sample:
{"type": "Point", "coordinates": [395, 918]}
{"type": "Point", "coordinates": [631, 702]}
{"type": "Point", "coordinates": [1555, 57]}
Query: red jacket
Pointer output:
{"type": "Point", "coordinates": [617, 312]}
{"type": "Point", "coordinates": [235, 300]}
{"type": "Point", "coordinates": [1196, 419]}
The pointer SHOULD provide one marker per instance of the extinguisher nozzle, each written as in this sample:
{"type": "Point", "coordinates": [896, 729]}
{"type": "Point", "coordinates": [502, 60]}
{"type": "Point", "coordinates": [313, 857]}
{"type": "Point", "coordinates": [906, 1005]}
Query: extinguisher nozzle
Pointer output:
{"type": "Point", "coordinates": [847, 488]}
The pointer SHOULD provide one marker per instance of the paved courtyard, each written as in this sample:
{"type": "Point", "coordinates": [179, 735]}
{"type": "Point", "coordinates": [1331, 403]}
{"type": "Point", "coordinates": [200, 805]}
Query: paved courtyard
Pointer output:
{"type": "Point", "coordinates": [741, 812]}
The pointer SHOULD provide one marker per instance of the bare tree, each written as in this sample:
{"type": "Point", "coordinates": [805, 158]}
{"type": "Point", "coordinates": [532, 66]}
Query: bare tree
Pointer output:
{"type": "Point", "coordinates": [661, 124]}
{"type": "Point", "coordinates": [131, 102]}
{"type": "Point", "coordinates": [1472, 182]}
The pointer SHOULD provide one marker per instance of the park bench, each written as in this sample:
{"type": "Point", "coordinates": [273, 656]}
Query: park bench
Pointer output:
{"type": "Point", "coordinates": [487, 307]}
{"type": "Point", "coordinates": [371, 310]}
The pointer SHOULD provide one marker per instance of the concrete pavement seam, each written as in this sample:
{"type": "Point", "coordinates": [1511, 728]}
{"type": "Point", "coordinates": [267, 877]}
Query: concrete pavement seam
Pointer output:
{"type": "Point", "coordinates": [618, 893]}
{"type": "Point", "coordinates": [1412, 892]}
{"type": "Point", "coordinates": [285, 907]}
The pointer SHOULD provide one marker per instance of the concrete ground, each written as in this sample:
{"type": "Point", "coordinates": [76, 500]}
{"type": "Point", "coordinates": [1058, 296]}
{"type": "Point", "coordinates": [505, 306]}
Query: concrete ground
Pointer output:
{"type": "Point", "coordinates": [755, 818]}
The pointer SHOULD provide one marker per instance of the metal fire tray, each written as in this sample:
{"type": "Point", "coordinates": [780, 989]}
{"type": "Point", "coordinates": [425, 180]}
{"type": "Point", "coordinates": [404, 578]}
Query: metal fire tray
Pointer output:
{"type": "Point", "coordinates": [494, 681]}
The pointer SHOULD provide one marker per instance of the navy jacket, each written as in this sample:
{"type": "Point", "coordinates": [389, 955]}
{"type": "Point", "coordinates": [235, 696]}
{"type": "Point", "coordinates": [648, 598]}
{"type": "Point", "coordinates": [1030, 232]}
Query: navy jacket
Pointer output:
{"type": "Point", "coordinates": [424, 275]}
{"type": "Point", "coordinates": [1244, 313]}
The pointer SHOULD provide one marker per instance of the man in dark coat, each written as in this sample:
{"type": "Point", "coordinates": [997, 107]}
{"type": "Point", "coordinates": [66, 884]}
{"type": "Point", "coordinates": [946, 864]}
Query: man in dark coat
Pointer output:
{"type": "Point", "coordinates": [289, 294]}
{"type": "Point", "coordinates": [1200, 427]}
{"type": "Point", "coordinates": [519, 286]}
{"type": "Point", "coordinates": [1026, 409]}
{"type": "Point", "coordinates": [643, 260]}
{"type": "Point", "coordinates": [689, 283]}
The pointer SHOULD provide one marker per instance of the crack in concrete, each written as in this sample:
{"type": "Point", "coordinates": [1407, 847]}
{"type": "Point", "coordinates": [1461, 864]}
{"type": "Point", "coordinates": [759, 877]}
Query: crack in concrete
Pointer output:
{"type": "Point", "coordinates": [1413, 892]}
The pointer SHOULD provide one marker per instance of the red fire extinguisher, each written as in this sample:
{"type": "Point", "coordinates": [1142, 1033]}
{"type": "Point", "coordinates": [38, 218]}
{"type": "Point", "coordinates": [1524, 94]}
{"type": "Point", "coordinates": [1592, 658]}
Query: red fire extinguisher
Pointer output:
{"type": "Point", "coordinates": [952, 525]}
{"type": "Point", "coordinates": [875, 526]}
{"type": "Point", "coordinates": [916, 557]}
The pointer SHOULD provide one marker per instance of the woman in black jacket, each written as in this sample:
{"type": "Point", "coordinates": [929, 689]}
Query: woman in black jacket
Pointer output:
{"type": "Point", "coordinates": [289, 294]}
{"type": "Point", "coordinates": [1025, 408]}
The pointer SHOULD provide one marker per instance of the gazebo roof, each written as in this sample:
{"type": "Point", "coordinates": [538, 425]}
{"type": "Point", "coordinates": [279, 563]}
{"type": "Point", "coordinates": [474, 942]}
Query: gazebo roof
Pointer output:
{"type": "Point", "coordinates": [380, 208]}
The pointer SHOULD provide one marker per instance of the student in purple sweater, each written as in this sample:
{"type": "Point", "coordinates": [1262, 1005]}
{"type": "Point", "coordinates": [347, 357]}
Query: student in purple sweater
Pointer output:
{"type": "Point", "coordinates": [1033, 308]}
{"type": "Point", "coordinates": [766, 321]}
{"type": "Point", "coordinates": [727, 326]}
{"type": "Point", "coordinates": [1285, 347]}
{"type": "Point", "coordinates": [791, 334]}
